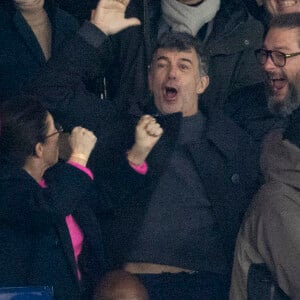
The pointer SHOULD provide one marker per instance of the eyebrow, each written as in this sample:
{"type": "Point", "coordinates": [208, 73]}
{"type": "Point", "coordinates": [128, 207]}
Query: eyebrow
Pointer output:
{"type": "Point", "coordinates": [279, 48]}
{"type": "Point", "coordinates": [162, 57]}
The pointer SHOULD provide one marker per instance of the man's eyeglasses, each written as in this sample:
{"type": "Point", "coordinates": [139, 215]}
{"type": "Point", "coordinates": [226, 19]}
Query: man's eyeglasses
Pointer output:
{"type": "Point", "coordinates": [278, 58]}
{"type": "Point", "coordinates": [59, 130]}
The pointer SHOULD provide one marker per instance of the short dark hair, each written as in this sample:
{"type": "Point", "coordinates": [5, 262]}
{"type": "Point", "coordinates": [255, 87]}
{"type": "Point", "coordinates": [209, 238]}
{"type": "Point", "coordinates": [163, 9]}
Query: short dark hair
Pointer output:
{"type": "Point", "coordinates": [182, 41]}
{"type": "Point", "coordinates": [22, 125]}
{"type": "Point", "coordinates": [288, 21]}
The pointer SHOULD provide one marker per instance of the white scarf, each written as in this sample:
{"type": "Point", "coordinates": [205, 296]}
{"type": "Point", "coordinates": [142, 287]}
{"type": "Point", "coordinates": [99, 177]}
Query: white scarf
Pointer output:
{"type": "Point", "coordinates": [184, 18]}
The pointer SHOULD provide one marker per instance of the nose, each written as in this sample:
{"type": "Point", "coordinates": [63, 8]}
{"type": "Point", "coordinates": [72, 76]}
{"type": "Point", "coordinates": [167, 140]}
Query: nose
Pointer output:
{"type": "Point", "coordinates": [269, 65]}
{"type": "Point", "coordinates": [172, 72]}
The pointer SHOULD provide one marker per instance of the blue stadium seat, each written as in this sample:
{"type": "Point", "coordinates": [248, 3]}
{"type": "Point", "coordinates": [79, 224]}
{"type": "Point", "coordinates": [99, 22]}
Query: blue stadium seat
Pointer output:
{"type": "Point", "coordinates": [26, 293]}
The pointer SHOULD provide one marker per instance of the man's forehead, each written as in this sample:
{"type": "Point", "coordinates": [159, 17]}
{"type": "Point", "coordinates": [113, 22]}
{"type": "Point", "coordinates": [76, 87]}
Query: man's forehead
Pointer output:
{"type": "Point", "coordinates": [283, 37]}
{"type": "Point", "coordinates": [179, 54]}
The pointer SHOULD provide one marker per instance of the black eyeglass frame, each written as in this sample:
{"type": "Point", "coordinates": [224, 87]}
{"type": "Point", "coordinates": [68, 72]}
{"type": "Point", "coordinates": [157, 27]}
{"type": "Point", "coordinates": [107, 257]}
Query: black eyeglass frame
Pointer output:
{"type": "Point", "coordinates": [268, 53]}
{"type": "Point", "coordinates": [59, 129]}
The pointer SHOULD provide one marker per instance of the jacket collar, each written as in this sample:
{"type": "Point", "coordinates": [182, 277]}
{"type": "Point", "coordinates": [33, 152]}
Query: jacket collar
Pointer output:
{"type": "Point", "coordinates": [217, 127]}
{"type": "Point", "coordinates": [227, 136]}
{"type": "Point", "coordinates": [24, 29]}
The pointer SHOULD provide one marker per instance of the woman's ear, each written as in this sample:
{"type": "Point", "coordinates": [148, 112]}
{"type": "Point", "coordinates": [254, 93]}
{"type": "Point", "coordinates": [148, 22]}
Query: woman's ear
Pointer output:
{"type": "Point", "coordinates": [39, 148]}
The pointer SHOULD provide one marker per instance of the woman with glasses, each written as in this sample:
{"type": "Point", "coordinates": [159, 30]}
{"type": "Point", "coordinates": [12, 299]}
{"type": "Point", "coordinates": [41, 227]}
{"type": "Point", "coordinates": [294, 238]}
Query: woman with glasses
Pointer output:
{"type": "Point", "coordinates": [49, 235]}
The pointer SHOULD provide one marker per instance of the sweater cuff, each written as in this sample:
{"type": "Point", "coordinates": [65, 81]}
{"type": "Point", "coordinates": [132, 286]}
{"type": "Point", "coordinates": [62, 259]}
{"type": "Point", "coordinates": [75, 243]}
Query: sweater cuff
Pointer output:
{"type": "Point", "coordinates": [92, 34]}
{"type": "Point", "coordinates": [141, 169]}
{"type": "Point", "coordinates": [82, 168]}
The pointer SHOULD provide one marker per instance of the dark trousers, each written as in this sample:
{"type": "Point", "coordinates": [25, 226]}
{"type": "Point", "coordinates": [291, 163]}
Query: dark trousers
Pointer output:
{"type": "Point", "coordinates": [185, 286]}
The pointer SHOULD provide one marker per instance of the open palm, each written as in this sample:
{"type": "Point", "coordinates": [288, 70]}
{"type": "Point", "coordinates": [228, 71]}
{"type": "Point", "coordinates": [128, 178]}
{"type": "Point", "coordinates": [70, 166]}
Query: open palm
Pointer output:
{"type": "Point", "coordinates": [109, 16]}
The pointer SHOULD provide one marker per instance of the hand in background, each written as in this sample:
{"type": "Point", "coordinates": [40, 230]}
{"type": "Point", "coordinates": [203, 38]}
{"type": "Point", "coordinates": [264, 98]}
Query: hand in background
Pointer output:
{"type": "Point", "coordinates": [109, 16]}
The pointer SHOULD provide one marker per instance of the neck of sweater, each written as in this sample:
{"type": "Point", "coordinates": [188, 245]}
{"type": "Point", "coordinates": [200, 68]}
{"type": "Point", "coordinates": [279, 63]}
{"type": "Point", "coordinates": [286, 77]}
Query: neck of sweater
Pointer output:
{"type": "Point", "coordinates": [35, 15]}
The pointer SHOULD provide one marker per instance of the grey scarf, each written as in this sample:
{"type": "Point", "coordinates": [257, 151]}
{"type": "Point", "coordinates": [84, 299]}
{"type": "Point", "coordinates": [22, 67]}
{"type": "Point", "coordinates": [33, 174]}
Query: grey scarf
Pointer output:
{"type": "Point", "coordinates": [190, 19]}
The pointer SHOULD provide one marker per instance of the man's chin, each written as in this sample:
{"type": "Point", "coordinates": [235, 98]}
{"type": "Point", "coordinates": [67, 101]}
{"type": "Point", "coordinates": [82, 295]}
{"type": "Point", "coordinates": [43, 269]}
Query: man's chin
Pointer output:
{"type": "Point", "coordinates": [282, 106]}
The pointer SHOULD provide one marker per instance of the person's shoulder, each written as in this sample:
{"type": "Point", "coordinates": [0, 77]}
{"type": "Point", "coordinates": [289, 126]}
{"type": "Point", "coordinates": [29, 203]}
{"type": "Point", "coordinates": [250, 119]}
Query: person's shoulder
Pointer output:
{"type": "Point", "coordinates": [9, 171]}
{"type": "Point", "coordinates": [15, 180]}
{"type": "Point", "coordinates": [273, 199]}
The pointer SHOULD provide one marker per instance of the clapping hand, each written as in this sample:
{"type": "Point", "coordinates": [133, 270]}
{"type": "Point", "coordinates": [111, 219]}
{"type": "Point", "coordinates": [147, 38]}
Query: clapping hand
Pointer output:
{"type": "Point", "coordinates": [109, 16]}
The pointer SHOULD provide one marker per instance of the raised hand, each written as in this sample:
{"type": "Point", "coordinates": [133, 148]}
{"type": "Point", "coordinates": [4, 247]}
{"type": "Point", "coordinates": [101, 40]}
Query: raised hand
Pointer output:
{"type": "Point", "coordinates": [147, 134]}
{"type": "Point", "coordinates": [82, 141]}
{"type": "Point", "coordinates": [109, 16]}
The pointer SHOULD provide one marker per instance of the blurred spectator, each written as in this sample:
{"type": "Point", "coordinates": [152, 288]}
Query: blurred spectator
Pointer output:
{"type": "Point", "coordinates": [31, 31]}
{"type": "Point", "coordinates": [120, 285]}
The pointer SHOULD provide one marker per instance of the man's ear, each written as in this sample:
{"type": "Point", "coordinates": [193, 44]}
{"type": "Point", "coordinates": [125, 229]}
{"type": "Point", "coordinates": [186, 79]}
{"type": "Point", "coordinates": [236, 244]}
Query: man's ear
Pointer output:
{"type": "Point", "coordinates": [39, 149]}
{"type": "Point", "coordinates": [202, 84]}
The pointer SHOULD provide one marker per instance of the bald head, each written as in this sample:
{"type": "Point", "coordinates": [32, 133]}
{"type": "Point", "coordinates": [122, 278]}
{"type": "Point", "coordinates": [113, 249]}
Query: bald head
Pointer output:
{"type": "Point", "coordinates": [120, 285]}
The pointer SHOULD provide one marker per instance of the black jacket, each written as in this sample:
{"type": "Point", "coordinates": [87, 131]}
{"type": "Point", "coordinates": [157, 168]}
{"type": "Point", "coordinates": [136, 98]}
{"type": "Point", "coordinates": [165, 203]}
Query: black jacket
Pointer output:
{"type": "Point", "coordinates": [21, 56]}
{"type": "Point", "coordinates": [35, 245]}
{"type": "Point", "coordinates": [248, 108]}
{"type": "Point", "coordinates": [226, 159]}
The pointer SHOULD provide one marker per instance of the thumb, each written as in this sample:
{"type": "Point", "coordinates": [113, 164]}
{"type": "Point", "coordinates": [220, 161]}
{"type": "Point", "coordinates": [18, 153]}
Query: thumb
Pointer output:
{"type": "Point", "coordinates": [131, 22]}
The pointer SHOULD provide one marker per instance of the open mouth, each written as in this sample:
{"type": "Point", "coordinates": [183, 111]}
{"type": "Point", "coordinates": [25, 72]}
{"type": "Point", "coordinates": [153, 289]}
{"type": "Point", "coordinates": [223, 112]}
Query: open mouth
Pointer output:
{"type": "Point", "coordinates": [287, 3]}
{"type": "Point", "coordinates": [170, 93]}
{"type": "Point", "coordinates": [277, 83]}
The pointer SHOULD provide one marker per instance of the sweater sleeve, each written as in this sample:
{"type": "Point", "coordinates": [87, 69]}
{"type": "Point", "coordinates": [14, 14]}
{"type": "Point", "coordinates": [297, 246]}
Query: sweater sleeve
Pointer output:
{"type": "Point", "coordinates": [82, 168]}
{"type": "Point", "coordinates": [141, 169]}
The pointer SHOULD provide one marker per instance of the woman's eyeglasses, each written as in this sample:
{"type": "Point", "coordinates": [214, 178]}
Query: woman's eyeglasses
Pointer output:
{"type": "Point", "coordinates": [59, 130]}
